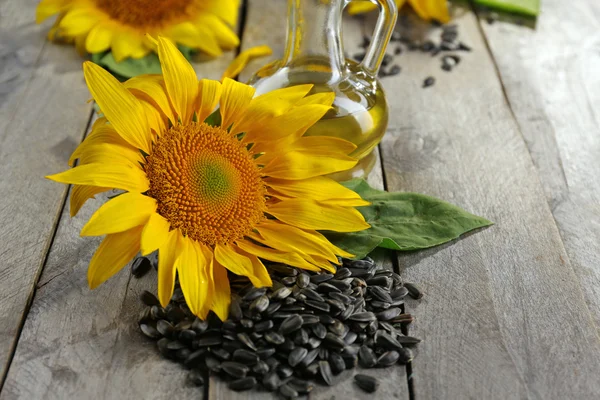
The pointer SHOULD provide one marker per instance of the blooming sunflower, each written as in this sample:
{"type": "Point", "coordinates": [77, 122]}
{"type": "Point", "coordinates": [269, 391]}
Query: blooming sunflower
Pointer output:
{"type": "Point", "coordinates": [425, 9]}
{"type": "Point", "coordinates": [121, 25]}
{"type": "Point", "coordinates": [209, 197]}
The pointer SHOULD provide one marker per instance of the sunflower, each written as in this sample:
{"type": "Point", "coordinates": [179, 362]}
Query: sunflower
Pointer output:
{"type": "Point", "coordinates": [209, 197]}
{"type": "Point", "coordinates": [121, 25]}
{"type": "Point", "coordinates": [425, 9]}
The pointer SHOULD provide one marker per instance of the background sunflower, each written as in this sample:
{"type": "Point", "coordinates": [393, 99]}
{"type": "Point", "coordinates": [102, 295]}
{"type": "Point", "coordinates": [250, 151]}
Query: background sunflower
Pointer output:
{"type": "Point", "coordinates": [96, 26]}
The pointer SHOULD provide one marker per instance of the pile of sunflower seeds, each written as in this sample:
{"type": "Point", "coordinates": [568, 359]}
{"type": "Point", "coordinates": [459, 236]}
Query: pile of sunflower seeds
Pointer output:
{"type": "Point", "coordinates": [306, 327]}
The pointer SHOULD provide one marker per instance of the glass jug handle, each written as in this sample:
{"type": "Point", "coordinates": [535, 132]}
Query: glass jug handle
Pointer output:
{"type": "Point", "coordinates": [388, 13]}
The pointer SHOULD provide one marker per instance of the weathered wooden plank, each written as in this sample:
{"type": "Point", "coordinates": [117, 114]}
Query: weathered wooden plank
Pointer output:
{"type": "Point", "coordinates": [78, 343]}
{"type": "Point", "coordinates": [43, 115]}
{"type": "Point", "coordinates": [552, 80]}
{"type": "Point", "coordinates": [504, 316]}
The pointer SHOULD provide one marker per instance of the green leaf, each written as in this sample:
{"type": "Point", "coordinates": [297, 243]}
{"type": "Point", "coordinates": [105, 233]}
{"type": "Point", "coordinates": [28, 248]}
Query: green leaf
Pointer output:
{"type": "Point", "coordinates": [214, 119]}
{"type": "Point", "coordinates": [404, 221]}
{"type": "Point", "coordinates": [526, 7]}
{"type": "Point", "coordinates": [131, 67]}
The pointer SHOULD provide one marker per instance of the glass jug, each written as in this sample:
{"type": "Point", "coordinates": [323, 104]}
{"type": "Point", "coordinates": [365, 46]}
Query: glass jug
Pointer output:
{"type": "Point", "coordinates": [314, 54]}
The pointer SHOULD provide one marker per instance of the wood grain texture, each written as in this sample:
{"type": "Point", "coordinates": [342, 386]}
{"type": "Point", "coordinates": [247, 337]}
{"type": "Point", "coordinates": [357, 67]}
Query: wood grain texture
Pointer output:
{"type": "Point", "coordinates": [504, 316]}
{"type": "Point", "coordinates": [83, 344]}
{"type": "Point", "coordinates": [552, 80]}
{"type": "Point", "coordinates": [43, 115]}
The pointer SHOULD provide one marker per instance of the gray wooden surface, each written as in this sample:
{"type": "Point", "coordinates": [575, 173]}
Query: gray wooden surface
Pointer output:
{"type": "Point", "coordinates": [511, 134]}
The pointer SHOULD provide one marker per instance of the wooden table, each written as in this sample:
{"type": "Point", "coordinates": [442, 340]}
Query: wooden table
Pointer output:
{"type": "Point", "coordinates": [513, 134]}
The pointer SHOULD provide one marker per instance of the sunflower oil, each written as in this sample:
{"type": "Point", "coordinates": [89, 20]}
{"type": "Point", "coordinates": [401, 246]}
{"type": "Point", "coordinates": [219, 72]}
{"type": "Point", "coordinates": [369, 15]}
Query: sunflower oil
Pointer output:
{"type": "Point", "coordinates": [359, 113]}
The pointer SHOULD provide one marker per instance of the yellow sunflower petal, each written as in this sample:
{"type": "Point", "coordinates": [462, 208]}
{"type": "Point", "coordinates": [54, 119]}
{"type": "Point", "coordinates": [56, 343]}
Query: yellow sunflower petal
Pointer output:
{"type": "Point", "coordinates": [323, 144]}
{"type": "Point", "coordinates": [78, 21]}
{"type": "Point", "coordinates": [264, 108]}
{"type": "Point", "coordinates": [125, 45]}
{"type": "Point", "coordinates": [235, 99]}
{"type": "Point", "coordinates": [208, 288]}
{"type": "Point", "coordinates": [244, 58]}
{"type": "Point", "coordinates": [115, 251]}
{"type": "Point", "coordinates": [325, 99]}
{"type": "Point", "coordinates": [155, 233]}
{"type": "Point", "coordinates": [190, 265]}
{"type": "Point", "coordinates": [233, 261]}
{"type": "Point", "coordinates": [156, 121]}
{"type": "Point", "coordinates": [180, 79]}
{"type": "Point", "coordinates": [333, 247]}
{"type": "Point", "coordinates": [109, 153]}
{"type": "Point", "coordinates": [119, 106]}
{"type": "Point", "coordinates": [293, 259]}
{"type": "Point", "coordinates": [167, 254]}
{"type": "Point", "coordinates": [101, 134]}
{"type": "Point", "coordinates": [289, 238]}
{"type": "Point", "coordinates": [117, 176]}
{"type": "Point", "coordinates": [260, 276]}
{"type": "Point", "coordinates": [222, 294]}
{"type": "Point", "coordinates": [318, 188]}
{"type": "Point", "coordinates": [308, 214]}
{"type": "Point", "coordinates": [287, 127]}
{"type": "Point", "coordinates": [196, 37]}
{"type": "Point", "coordinates": [209, 94]}
{"type": "Point", "coordinates": [224, 36]}
{"type": "Point", "coordinates": [226, 9]}
{"type": "Point", "coordinates": [48, 8]}
{"type": "Point", "coordinates": [151, 88]}
{"type": "Point", "coordinates": [119, 214]}
{"type": "Point", "coordinates": [297, 165]}
{"type": "Point", "coordinates": [431, 9]}
{"type": "Point", "coordinates": [80, 194]}
{"type": "Point", "coordinates": [99, 39]}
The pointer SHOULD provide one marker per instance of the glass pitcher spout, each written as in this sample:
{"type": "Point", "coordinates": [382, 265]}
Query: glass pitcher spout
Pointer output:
{"type": "Point", "coordinates": [314, 54]}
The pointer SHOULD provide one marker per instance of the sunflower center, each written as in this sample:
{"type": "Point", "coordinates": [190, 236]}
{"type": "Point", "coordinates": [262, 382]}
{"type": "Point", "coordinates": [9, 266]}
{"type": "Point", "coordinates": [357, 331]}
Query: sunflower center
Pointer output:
{"type": "Point", "coordinates": [206, 183]}
{"type": "Point", "coordinates": [145, 13]}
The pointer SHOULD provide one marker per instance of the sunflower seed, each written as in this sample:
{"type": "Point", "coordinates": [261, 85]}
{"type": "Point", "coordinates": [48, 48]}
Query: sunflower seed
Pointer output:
{"type": "Point", "coordinates": [314, 342]}
{"type": "Point", "coordinates": [245, 339]}
{"type": "Point", "coordinates": [366, 357]}
{"type": "Point", "coordinates": [301, 337]}
{"type": "Point", "coordinates": [388, 358]}
{"type": "Point", "coordinates": [284, 372]}
{"type": "Point", "coordinates": [408, 340]}
{"type": "Point", "coordinates": [288, 392]}
{"type": "Point", "coordinates": [271, 381]}
{"type": "Point", "coordinates": [388, 314]}
{"type": "Point", "coordinates": [336, 362]}
{"type": "Point", "coordinates": [199, 326]}
{"type": "Point", "coordinates": [312, 295]}
{"type": "Point", "coordinates": [372, 327]}
{"type": "Point", "coordinates": [266, 352]}
{"type": "Point", "coordinates": [344, 315]}
{"type": "Point", "coordinates": [413, 291]}
{"type": "Point", "coordinates": [175, 314]}
{"type": "Point", "coordinates": [245, 357]}
{"type": "Point", "coordinates": [339, 284]}
{"type": "Point", "coordinates": [386, 341]}
{"type": "Point", "coordinates": [235, 369]}
{"type": "Point", "coordinates": [302, 280]}
{"type": "Point", "coordinates": [338, 329]}
{"type": "Point", "coordinates": [274, 338]}
{"type": "Point", "coordinates": [196, 378]}
{"type": "Point", "coordinates": [187, 335]}
{"type": "Point", "coordinates": [254, 293]}
{"type": "Point", "coordinates": [260, 304]}
{"type": "Point", "coordinates": [284, 269]}
{"type": "Point", "coordinates": [287, 346]}
{"type": "Point", "coordinates": [351, 360]}
{"type": "Point", "coordinates": [309, 357]}
{"type": "Point", "coordinates": [318, 305]}
{"type": "Point", "coordinates": [247, 323]}
{"type": "Point", "coordinates": [366, 316]}
{"type": "Point", "coordinates": [140, 267]}
{"type": "Point", "coordinates": [404, 356]}
{"type": "Point", "coordinates": [429, 81]}
{"type": "Point", "coordinates": [291, 324]}
{"type": "Point", "coordinates": [316, 279]}
{"type": "Point", "coordinates": [399, 293]}
{"type": "Point", "coordinates": [310, 319]}
{"type": "Point", "coordinates": [243, 384]}
{"type": "Point", "coordinates": [281, 293]}
{"type": "Point", "coordinates": [336, 306]}
{"type": "Point", "coordinates": [288, 280]}
{"type": "Point", "coordinates": [327, 287]}
{"type": "Point", "coordinates": [149, 299]}
{"type": "Point", "coordinates": [209, 340]}
{"type": "Point", "coordinates": [300, 385]}
{"type": "Point", "coordinates": [297, 355]}
{"type": "Point", "coordinates": [367, 383]}
{"type": "Point", "coordinates": [165, 328]}
{"type": "Point", "coordinates": [319, 330]}
{"type": "Point", "coordinates": [195, 358]}
{"type": "Point", "coordinates": [212, 364]}
{"type": "Point", "coordinates": [325, 371]}
{"type": "Point", "coordinates": [150, 331]}
{"type": "Point", "coordinates": [350, 338]}
{"type": "Point", "coordinates": [334, 341]}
